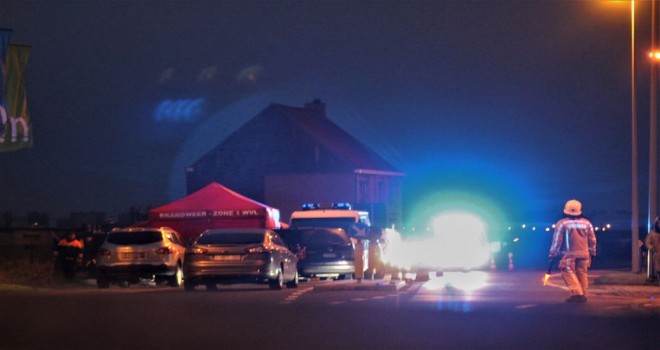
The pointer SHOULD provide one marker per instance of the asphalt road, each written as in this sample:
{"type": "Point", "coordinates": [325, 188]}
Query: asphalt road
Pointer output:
{"type": "Point", "coordinates": [502, 311]}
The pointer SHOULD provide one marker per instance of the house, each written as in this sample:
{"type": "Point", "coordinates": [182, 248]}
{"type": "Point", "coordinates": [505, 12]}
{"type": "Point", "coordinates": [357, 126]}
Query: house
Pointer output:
{"type": "Point", "coordinates": [286, 156]}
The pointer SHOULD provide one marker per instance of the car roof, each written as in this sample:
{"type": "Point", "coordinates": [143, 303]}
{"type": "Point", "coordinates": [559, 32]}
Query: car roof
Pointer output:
{"type": "Point", "coordinates": [141, 229]}
{"type": "Point", "coordinates": [236, 230]}
{"type": "Point", "coordinates": [326, 213]}
{"type": "Point", "coordinates": [328, 229]}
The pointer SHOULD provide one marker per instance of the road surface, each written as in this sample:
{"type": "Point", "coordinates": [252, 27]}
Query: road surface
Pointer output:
{"type": "Point", "coordinates": [485, 311]}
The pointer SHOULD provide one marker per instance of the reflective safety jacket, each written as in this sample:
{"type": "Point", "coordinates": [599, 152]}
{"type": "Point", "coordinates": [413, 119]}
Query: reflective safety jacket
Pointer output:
{"type": "Point", "coordinates": [69, 250]}
{"type": "Point", "coordinates": [574, 236]}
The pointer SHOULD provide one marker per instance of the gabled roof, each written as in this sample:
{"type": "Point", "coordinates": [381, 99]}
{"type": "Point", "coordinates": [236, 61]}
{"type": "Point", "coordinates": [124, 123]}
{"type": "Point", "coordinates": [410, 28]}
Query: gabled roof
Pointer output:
{"type": "Point", "coordinates": [319, 127]}
{"type": "Point", "coordinates": [214, 206]}
{"type": "Point", "coordinates": [212, 197]}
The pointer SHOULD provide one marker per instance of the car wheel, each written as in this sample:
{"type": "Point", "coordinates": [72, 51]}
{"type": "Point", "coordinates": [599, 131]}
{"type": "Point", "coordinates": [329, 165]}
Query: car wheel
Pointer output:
{"type": "Point", "coordinates": [188, 286]}
{"type": "Point", "coordinates": [278, 281]}
{"type": "Point", "coordinates": [294, 282]}
{"type": "Point", "coordinates": [347, 276]}
{"type": "Point", "coordinates": [177, 279]}
{"type": "Point", "coordinates": [102, 283]}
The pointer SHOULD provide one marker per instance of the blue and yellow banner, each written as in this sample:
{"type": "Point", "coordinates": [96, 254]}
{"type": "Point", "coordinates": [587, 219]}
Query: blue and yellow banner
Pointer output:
{"type": "Point", "coordinates": [16, 132]}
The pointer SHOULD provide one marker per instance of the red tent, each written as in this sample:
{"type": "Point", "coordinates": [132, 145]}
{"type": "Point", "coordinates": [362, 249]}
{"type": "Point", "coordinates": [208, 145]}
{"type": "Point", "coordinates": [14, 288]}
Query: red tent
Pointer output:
{"type": "Point", "coordinates": [214, 206]}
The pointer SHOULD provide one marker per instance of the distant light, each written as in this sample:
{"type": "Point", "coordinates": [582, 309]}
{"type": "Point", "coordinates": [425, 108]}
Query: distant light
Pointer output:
{"type": "Point", "coordinates": [547, 229]}
{"type": "Point", "coordinates": [534, 228]}
{"type": "Point", "coordinates": [554, 225]}
{"type": "Point", "coordinates": [597, 228]}
{"type": "Point", "coordinates": [458, 241]}
{"type": "Point", "coordinates": [516, 239]}
{"type": "Point", "coordinates": [524, 226]}
{"type": "Point", "coordinates": [250, 75]}
{"type": "Point", "coordinates": [509, 228]}
{"type": "Point", "coordinates": [655, 55]}
{"type": "Point", "coordinates": [608, 226]}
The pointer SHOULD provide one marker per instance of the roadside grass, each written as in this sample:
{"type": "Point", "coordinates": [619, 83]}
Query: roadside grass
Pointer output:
{"type": "Point", "coordinates": [27, 273]}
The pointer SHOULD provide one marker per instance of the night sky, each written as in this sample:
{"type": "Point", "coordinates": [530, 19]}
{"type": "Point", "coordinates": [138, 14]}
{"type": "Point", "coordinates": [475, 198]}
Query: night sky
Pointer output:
{"type": "Point", "coordinates": [521, 104]}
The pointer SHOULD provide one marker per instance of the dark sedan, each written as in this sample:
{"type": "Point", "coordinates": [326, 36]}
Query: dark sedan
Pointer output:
{"type": "Point", "coordinates": [322, 252]}
{"type": "Point", "coordinates": [239, 255]}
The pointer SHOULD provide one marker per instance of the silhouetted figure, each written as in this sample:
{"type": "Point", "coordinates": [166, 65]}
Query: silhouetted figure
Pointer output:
{"type": "Point", "coordinates": [69, 255]}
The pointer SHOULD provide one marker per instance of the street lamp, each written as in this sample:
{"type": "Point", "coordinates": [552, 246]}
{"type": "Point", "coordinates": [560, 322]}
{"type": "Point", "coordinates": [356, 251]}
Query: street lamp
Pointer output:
{"type": "Point", "coordinates": [634, 205]}
{"type": "Point", "coordinates": [654, 55]}
{"type": "Point", "coordinates": [633, 119]}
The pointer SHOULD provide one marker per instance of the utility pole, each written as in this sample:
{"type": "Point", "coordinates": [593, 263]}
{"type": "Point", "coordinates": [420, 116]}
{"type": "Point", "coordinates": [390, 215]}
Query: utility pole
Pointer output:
{"type": "Point", "coordinates": [653, 133]}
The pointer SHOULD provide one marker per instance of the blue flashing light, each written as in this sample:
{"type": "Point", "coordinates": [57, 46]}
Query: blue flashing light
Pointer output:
{"type": "Point", "coordinates": [310, 206]}
{"type": "Point", "coordinates": [338, 205]}
{"type": "Point", "coordinates": [342, 205]}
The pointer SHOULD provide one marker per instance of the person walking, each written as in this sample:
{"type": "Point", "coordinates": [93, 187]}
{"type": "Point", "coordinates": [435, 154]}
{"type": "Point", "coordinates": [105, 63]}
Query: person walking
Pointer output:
{"type": "Point", "coordinates": [575, 240]}
{"type": "Point", "coordinates": [652, 243]}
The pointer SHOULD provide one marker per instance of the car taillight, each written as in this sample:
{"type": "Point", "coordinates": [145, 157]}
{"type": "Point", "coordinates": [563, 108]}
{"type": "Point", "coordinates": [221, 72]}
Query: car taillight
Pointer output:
{"type": "Point", "coordinates": [103, 252]}
{"type": "Point", "coordinates": [165, 250]}
{"type": "Point", "coordinates": [257, 250]}
{"type": "Point", "coordinates": [196, 251]}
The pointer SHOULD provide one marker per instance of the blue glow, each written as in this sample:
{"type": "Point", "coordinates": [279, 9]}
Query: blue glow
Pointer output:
{"type": "Point", "coordinates": [492, 189]}
{"type": "Point", "coordinates": [186, 110]}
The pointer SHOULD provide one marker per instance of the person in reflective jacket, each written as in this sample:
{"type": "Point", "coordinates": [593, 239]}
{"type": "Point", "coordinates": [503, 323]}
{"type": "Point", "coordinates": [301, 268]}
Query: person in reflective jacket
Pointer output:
{"type": "Point", "coordinates": [69, 254]}
{"type": "Point", "coordinates": [575, 240]}
{"type": "Point", "coordinates": [652, 243]}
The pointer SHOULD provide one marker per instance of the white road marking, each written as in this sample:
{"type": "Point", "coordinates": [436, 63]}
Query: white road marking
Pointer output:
{"type": "Point", "coordinates": [295, 295]}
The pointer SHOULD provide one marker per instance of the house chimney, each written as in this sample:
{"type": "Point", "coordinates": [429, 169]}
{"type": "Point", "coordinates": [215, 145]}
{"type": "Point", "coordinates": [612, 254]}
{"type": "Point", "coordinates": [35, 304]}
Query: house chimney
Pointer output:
{"type": "Point", "coordinates": [316, 106]}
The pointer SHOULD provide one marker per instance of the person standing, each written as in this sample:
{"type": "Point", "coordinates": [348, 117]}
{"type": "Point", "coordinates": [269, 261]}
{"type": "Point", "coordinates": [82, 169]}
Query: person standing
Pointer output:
{"type": "Point", "coordinates": [358, 233]}
{"type": "Point", "coordinates": [652, 243]}
{"type": "Point", "coordinates": [575, 240]}
{"type": "Point", "coordinates": [69, 254]}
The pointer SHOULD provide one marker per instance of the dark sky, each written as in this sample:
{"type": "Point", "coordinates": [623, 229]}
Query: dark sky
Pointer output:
{"type": "Point", "coordinates": [524, 104]}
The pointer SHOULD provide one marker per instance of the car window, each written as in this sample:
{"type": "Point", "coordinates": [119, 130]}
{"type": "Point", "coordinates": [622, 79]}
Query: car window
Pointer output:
{"type": "Point", "coordinates": [344, 223]}
{"type": "Point", "coordinates": [230, 238]}
{"type": "Point", "coordinates": [137, 238]}
{"type": "Point", "coordinates": [319, 237]}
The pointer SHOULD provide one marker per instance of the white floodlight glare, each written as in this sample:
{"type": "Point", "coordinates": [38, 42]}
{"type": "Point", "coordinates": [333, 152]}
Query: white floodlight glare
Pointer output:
{"type": "Point", "coordinates": [459, 242]}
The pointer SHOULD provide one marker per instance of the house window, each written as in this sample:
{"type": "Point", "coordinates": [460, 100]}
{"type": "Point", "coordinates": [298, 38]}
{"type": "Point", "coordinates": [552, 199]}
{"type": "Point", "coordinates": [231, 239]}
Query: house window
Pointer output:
{"type": "Point", "coordinates": [363, 190]}
{"type": "Point", "coordinates": [381, 189]}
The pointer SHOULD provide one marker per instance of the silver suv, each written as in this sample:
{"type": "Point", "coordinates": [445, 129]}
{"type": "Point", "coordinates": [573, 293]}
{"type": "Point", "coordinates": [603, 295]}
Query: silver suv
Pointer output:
{"type": "Point", "coordinates": [131, 254]}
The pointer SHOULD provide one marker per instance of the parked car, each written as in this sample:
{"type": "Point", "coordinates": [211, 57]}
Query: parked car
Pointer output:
{"type": "Point", "coordinates": [239, 255]}
{"type": "Point", "coordinates": [322, 252]}
{"type": "Point", "coordinates": [131, 254]}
